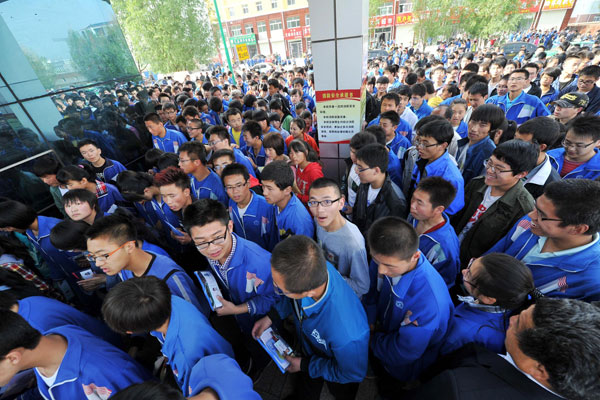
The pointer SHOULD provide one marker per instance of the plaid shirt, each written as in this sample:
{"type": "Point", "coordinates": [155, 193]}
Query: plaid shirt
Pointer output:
{"type": "Point", "coordinates": [26, 274]}
{"type": "Point", "coordinates": [221, 269]}
{"type": "Point", "coordinates": [101, 188]}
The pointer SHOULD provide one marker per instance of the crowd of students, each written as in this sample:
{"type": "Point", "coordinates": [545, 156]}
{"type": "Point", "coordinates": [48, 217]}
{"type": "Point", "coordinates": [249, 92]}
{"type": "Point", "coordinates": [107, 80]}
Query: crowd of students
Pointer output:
{"type": "Point", "coordinates": [458, 256]}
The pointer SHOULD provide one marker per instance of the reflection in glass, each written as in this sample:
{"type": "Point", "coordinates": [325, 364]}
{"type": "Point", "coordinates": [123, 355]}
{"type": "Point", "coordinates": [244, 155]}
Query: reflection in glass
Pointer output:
{"type": "Point", "coordinates": [23, 185]}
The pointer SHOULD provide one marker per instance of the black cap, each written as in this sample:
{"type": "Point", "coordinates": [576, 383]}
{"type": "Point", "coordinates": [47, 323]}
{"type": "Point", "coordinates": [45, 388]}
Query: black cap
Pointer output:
{"type": "Point", "coordinates": [572, 99]}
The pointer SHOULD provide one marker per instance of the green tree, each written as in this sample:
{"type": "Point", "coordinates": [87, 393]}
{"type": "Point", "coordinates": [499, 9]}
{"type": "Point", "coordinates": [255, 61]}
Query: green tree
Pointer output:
{"type": "Point", "coordinates": [42, 67]}
{"type": "Point", "coordinates": [433, 19]}
{"type": "Point", "coordinates": [170, 35]}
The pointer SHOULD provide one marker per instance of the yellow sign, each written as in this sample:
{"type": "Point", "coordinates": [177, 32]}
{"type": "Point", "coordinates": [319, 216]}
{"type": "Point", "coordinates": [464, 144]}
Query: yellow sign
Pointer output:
{"type": "Point", "coordinates": [242, 51]}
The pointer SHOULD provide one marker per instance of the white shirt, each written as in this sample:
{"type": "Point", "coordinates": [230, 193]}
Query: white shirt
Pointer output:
{"type": "Point", "coordinates": [372, 195]}
{"type": "Point", "coordinates": [242, 211]}
{"type": "Point", "coordinates": [352, 178]}
{"type": "Point", "coordinates": [508, 358]}
{"type": "Point", "coordinates": [410, 117]}
{"type": "Point", "coordinates": [49, 381]}
{"type": "Point", "coordinates": [486, 203]}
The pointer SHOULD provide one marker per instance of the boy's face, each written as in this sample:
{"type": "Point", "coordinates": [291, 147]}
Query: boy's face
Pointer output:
{"type": "Point", "coordinates": [502, 176]}
{"type": "Point", "coordinates": [118, 258]}
{"type": "Point", "coordinates": [78, 210]}
{"type": "Point", "coordinates": [458, 113]}
{"type": "Point", "coordinates": [544, 208]}
{"type": "Point", "coordinates": [325, 216]}
{"type": "Point", "coordinates": [585, 83]}
{"type": "Point", "coordinates": [565, 113]}
{"type": "Point", "coordinates": [476, 100]}
{"type": "Point", "coordinates": [393, 266]}
{"type": "Point", "coordinates": [194, 130]}
{"type": "Point", "coordinates": [429, 148]}
{"type": "Point", "coordinates": [517, 82]}
{"type": "Point", "coordinates": [502, 87]}
{"type": "Point", "coordinates": [381, 87]}
{"type": "Point", "coordinates": [579, 148]}
{"type": "Point", "coordinates": [403, 103]}
{"type": "Point", "coordinates": [420, 206]}
{"type": "Point", "coordinates": [272, 193]}
{"type": "Point", "coordinates": [388, 105]}
{"type": "Point", "coordinates": [237, 188]}
{"type": "Point", "coordinates": [90, 153]}
{"type": "Point", "coordinates": [365, 174]}
{"type": "Point", "coordinates": [171, 114]}
{"type": "Point", "coordinates": [416, 101]}
{"type": "Point", "coordinates": [438, 76]}
{"type": "Point", "coordinates": [478, 130]}
{"type": "Point", "coordinates": [295, 98]}
{"type": "Point", "coordinates": [299, 87]}
{"type": "Point", "coordinates": [188, 162]}
{"type": "Point", "coordinates": [175, 197]}
{"type": "Point", "coordinates": [235, 122]}
{"type": "Point", "coordinates": [216, 143]}
{"type": "Point", "coordinates": [389, 128]}
{"type": "Point", "coordinates": [155, 129]}
{"type": "Point", "coordinates": [264, 125]}
{"type": "Point", "coordinates": [496, 70]}
{"type": "Point", "coordinates": [220, 163]}
{"type": "Point", "coordinates": [213, 231]}
{"type": "Point", "coordinates": [248, 138]}
{"type": "Point", "coordinates": [50, 180]}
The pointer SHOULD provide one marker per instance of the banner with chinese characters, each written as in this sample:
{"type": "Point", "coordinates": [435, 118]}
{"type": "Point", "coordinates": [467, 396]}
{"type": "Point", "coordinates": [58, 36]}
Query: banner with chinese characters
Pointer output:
{"type": "Point", "coordinates": [339, 114]}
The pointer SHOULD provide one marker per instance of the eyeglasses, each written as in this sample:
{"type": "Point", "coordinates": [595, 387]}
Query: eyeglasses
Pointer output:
{"type": "Point", "coordinates": [580, 146]}
{"type": "Point", "coordinates": [181, 160]}
{"type": "Point", "coordinates": [488, 165]}
{"type": "Point", "coordinates": [217, 241]}
{"type": "Point", "coordinates": [587, 82]}
{"type": "Point", "coordinates": [468, 274]}
{"type": "Point", "coordinates": [235, 187]}
{"type": "Point", "coordinates": [104, 257]}
{"type": "Point", "coordinates": [189, 128]}
{"type": "Point", "coordinates": [359, 169]}
{"type": "Point", "coordinates": [214, 142]}
{"type": "Point", "coordinates": [323, 203]}
{"type": "Point", "coordinates": [516, 79]}
{"type": "Point", "coordinates": [220, 167]}
{"type": "Point", "coordinates": [540, 218]}
{"type": "Point", "coordinates": [420, 145]}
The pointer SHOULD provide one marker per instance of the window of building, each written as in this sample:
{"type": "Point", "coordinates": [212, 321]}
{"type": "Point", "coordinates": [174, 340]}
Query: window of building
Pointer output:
{"type": "Point", "coordinates": [236, 30]}
{"type": "Point", "coordinates": [307, 20]}
{"type": "Point", "coordinates": [245, 8]}
{"type": "Point", "coordinates": [249, 28]}
{"type": "Point", "coordinates": [291, 2]}
{"type": "Point", "coordinates": [274, 4]}
{"type": "Point", "coordinates": [259, 6]}
{"type": "Point", "coordinates": [405, 7]}
{"type": "Point", "coordinates": [293, 22]}
{"type": "Point", "coordinates": [261, 27]}
{"type": "Point", "coordinates": [231, 12]}
{"type": "Point", "coordinates": [275, 24]}
{"type": "Point", "coordinates": [386, 9]}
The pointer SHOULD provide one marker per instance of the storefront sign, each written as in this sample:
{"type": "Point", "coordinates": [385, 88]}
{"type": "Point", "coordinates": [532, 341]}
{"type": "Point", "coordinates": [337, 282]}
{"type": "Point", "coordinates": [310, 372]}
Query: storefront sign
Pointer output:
{"type": "Point", "coordinates": [250, 38]}
{"type": "Point", "coordinates": [404, 18]}
{"type": "Point", "coordinates": [293, 33]}
{"type": "Point", "coordinates": [339, 114]}
{"type": "Point", "coordinates": [242, 51]}
{"type": "Point", "coordinates": [384, 20]}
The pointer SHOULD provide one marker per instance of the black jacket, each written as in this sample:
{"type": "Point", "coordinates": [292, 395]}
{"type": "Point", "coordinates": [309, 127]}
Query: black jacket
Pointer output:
{"type": "Point", "coordinates": [389, 201]}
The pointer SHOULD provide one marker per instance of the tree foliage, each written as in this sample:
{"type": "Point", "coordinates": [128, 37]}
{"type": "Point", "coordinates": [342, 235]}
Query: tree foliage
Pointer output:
{"type": "Point", "coordinates": [42, 67]}
{"type": "Point", "coordinates": [101, 55]}
{"type": "Point", "coordinates": [443, 18]}
{"type": "Point", "coordinates": [170, 35]}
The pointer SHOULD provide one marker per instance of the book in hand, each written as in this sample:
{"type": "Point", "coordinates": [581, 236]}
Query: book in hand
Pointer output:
{"type": "Point", "coordinates": [277, 348]}
{"type": "Point", "coordinates": [210, 288]}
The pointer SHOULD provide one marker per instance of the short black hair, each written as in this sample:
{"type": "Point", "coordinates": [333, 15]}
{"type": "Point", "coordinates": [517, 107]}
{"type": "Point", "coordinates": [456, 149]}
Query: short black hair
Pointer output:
{"type": "Point", "coordinates": [195, 149]}
{"type": "Point", "coordinates": [253, 128]}
{"type": "Point", "coordinates": [521, 156]}
{"type": "Point", "coordinates": [154, 117]}
{"type": "Point", "coordinates": [374, 155]}
{"type": "Point", "coordinates": [585, 125]}
{"type": "Point", "coordinates": [361, 139]}
{"type": "Point", "coordinates": [235, 169]}
{"type": "Point", "coordinates": [280, 173]}
{"type": "Point", "coordinates": [545, 130]}
{"type": "Point", "coordinates": [273, 140]}
{"type": "Point", "coordinates": [439, 129]}
{"type": "Point", "coordinates": [75, 173]}
{"type": "Point", "coordinates": [479, 88]}
{"type": "Point", "coordinates": [301, 263]}
{"type": "Point", "coordinates": [86, 142]}
{"type": "Point", "coordinates": [520, 71]}
{"type": "Point", "coordinates": [391, 96]}
{"type": "Point", "coordinates": [440, 191]}
{"type": "Point", "coordinates": [391, 116]}
{"type": "Point", "coordinates": [69, 235]}
{"type": "Point", "coordinates": [149, 391]}
{"type": "Point", "coordinates": [203, 212]}
{"type": "Point", "coordinates": [14, 214]}
{"type": "Point", "coordinates": [166, 160]}
{"type": "Point", "coordinates": [321, 183]}
{"type": "Point", "coordinates": [576, 202]}
{"type": "Point", "coordinates": [137, 305]}
{"type": "Point", "coordinates": [222, 153]}
{"type": "Point", "coordinates": [419, 89]}
{"type": "Point", "coordinates": [378, 133]}
{"type": "Point", "coordinates": [591, 70]}
{"type": "Point", "coordinates": [133, 183]}
{"type": "Point", "coordinates": [393, 236]}
{"type": "Point", "coordinates": [82, 195]}
{"type": "Point", "coordinates": [16, 332]}
{"type": "Point", "coordinates": [115, 228]}
{"type": "Point", "coordinates": [46, 165]}
{"type": "Point", "coordinates": [218, 130]}
{"type": "Point", "coordinates": [489, 113]}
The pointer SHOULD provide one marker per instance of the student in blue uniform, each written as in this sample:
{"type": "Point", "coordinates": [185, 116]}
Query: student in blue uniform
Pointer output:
{"type": "Point", "coordinates": [112, 244]}
{"type": "Point", "coordinates": [389, 122]}
{"type": "Point", "coordinates": [82, 205]}
{"type": "Point", "coordinates": [218, 138]}
{"type": "Point", "coordinates": [253, 218]}
{"type": "Point", "coordinates": [69, 362]}
{"type": "Point", "coordinates": [390, 102]}
{"type": "Point", "coordinates": [558, 240]}
{"type": "Point", "coordinates": [408, 305]}
{"type": "Point", "coordinates": [138, 188]}
{"type": "Point", "coordinates": [162, 138]}
{"type": "Point", "coordinates": [497, 285]}
{"type": "Point", "coordinates": [83, 177]}
{"type": "Point", "coordinates": [170, 111]}
{"type": "Point", "coordinates": [579, 157]}
{"type": "Point", "coordinates": [432, 143]}
{"type": "Point", "coordinates": [44, 313]}
{"type": "Point", "coordinates": [204, 183]}
{"type": "Point", "coordinates": [418, 104]}
{"type": "Point", "coordinates": [330, 323]}
{"type": "Point", "coordinates": [291, 215]}
{"type": "Point", "coordinates": [254, 150]}
{"type": "Point", "coordinates": [145, 304]}
{"type": "Point", "coordinates": [437, 240]}
{"type": "Point", "coordinates": [105, 169]}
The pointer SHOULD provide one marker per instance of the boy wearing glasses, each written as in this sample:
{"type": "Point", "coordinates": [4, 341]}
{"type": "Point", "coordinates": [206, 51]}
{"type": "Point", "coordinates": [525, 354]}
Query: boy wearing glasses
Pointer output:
{"type": "Point", "coordinates": [218, 139]}
{"type": "Point", "coordinates": [204, 183]}
{"type": "Point", "coordinates": [432, 141]}
{"type": "Point", "coordinates": [495, 201]}
{"type": "Point", "coordinates": [341, 240]}
{"type": "Point", "coordinates": [558, 240]}
{"type": "Point", "coordinates": [170, 111]}
{"type": "Point", "coordinates": [253, 218]}
{"type": "Point", "coordinates": [112, 244]}
{"type": "Point", "coordinates": [579, 158]}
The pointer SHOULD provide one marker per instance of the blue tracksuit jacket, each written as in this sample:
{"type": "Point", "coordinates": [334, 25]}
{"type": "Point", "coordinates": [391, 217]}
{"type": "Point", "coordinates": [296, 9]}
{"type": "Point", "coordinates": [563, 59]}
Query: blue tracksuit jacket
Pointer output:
{"type": "Point", "coordinates": [589, 170]}
{"type": "Point", "coordinates": [442, 250]}
{"type": "Point", "coordinates": [333, 331]}
{"type": "Point", "coordinates": [170, 143]}
{"type": "Point", "coordinates": [259, 159]}
{"type": "Point", "coordinates": [217, 371]}
{"type": "Point", "coordinates": [403, 130]}
{"type": "Point", "coordinates": [476, 155]}
{"type": "Point", "coordinates": [210, 187]}
{"type": "Point", "coordinates": [423, 111]}
{"type": "Point", "coordinates": [404, 348]}
{"type": "Point", "coordinates": [249, 280]}
{"type": "Point", "coordinates": [240, 158]}
{"type": "Point", "coordinates": [189, 338]}
{"type": "Point", "coordinates": [91, 368]}
{"type": "Point", "coordinates": [446, 168]}
{"type": "Point", "coordinates": [463, 129]}
{"type": "Point", "coordinates": [112, 168]}
{"type": "Point", "coordinates": [178, 282]}
{"type": "Point", "coordinates": [479, 323]}
{"type": "Point", "coordinates": [44, 313]}
{"type": "Point", "coordinates": [294, 219]}
{"type": "Point", "coordinates": [108, 196]}
{"type": "Point", "coordinates": [258, 224]}
{"type": "Point", "coordinates": [394, 168]}
{"type": "Point", "coordinates": [575, 276]}
{"type": "Point", "coordinates": [523, 109]}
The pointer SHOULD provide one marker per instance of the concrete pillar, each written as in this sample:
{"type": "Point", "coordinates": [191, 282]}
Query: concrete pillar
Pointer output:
{"type": "Point", "coordinates": [339, 33]}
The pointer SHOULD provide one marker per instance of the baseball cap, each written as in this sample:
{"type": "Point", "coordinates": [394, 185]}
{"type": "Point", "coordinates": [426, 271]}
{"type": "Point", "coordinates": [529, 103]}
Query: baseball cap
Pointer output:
{"type": "Point", "coordinates": [572, 99]}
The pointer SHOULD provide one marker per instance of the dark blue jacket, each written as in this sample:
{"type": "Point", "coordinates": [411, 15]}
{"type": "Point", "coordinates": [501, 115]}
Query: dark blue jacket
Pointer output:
{"type": "Point", "coordinates": [258, 224]}
{"type": "Point", "coordinates": [333, 331]}
{"type": "Point", "coordinates": [294, 219]}
{"type": "Point", "coordinates": [403, 130]}
{"type": "Point", "coordinates": [423, 111]}
{"type": "Point", "coordinates": [210, 187]}
{"type": "Point", "coordinates": [476, 155]}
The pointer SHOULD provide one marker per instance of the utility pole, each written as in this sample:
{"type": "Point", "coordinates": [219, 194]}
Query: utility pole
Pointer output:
{"type": "Point", "coordinates": [223, 36]}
